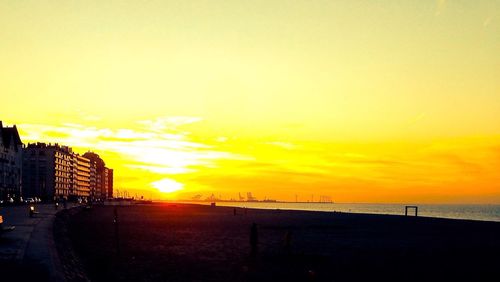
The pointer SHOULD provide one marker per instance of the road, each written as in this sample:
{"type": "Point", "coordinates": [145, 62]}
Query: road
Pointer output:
{"type": "Point", "coordinates": [29, 250]}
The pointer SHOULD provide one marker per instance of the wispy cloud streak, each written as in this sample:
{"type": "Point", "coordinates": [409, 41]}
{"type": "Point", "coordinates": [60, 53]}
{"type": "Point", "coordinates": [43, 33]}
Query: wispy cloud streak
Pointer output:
{"type": "Point", "coordinates": [157, 147]}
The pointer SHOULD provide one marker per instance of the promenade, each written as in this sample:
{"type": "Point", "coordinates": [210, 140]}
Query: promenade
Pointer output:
{"type": "Point", "coordinates": [29, 250]}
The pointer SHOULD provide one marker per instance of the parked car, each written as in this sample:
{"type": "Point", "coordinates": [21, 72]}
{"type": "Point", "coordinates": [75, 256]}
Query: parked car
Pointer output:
{"type": "Point", "coordinates": [30, 200]}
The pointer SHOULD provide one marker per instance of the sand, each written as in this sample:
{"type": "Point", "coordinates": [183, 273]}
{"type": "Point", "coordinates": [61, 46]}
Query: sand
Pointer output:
{"type": "Point", "coordinates": [180, 242]}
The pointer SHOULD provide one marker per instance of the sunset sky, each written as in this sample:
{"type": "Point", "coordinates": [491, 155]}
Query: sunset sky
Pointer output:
{"type": "Point", "coordinates": [362, 101]}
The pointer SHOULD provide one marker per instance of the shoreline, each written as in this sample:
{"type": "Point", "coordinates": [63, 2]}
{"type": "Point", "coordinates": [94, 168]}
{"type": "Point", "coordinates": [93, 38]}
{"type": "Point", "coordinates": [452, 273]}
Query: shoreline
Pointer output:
{"type": "Point", "coordinates": [341, 208]}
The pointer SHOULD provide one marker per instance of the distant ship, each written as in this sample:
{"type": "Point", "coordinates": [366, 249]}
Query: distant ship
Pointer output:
{"type": "Point", "coordinates": [269, 201]}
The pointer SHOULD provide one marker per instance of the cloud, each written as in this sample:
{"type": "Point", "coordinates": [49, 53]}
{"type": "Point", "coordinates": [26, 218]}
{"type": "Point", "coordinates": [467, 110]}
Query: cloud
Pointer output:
{"type": "Point", "coordinates": [415, 119]}
{"type": "Point", "coordinates": [440, 6]}
{"type": "Point", "coordinates": [284, 145]}
{"type": "Point", "coordinates": [487, 21]}
{"type": "Point", "coordinates": [162, 169]}
{"type": "Point", "coordinates": [168, 123]}
{"type": "Point", "coordinates": [453, 160]}
{"type": "Point", "coordinates": [157, 148]}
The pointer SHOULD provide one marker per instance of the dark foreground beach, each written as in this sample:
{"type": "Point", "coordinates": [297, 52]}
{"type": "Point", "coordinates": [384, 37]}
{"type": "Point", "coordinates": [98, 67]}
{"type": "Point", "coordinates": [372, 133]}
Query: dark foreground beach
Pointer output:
{"type": "Point", "coordinates": [178, 242]}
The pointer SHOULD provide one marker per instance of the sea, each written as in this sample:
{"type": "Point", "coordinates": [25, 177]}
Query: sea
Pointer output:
{"type": "Point", "coordinates": [454, 211]}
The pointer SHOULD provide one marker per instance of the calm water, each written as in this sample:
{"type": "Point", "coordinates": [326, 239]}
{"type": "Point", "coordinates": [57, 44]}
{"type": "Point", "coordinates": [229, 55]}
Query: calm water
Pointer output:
{"type": "Point", "coordinates": [474, 212]}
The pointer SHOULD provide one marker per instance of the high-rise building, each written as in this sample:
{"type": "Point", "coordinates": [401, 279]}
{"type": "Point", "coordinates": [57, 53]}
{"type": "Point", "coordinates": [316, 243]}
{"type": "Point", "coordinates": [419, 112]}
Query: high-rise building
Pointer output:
{"type": "Point", "coordinates": [48, 171]}
{"type": "Point", "coordinates": [55, 172]}
{"type": "Point", "coordinates": [110, 183]}
{"type": "Point", "coordinates": [96, 171]}
{"type": "Point", "coordinates": [93, 180]}
{"type": "Point", "coordinates": [82, 177]}
{"type": "Point", "coordinates": [104, 183]}
{"type": "Point", "coordinates": [10, 163]}
{"type": "Point", "coordinates": [103, 178]}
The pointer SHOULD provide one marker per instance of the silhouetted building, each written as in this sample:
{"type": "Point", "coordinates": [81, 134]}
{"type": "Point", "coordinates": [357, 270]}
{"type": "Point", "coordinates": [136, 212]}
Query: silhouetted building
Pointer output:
{"type": "Point", "coordinates": [104, 183]}
{"type": "Point", "coordinates": [81, 177]}
{"type": "Point", "coordinates": [102, 187]}
{"type": "Point", "coordinates": [55, 172]}
{"type": "Point", "coordinates": [93, 180]}
{"type": "Point", "coordinates": [48, 171]}
{"type": "Point", "coordinates": [96, 168]}
{"type": "Point", "coordinates": [110, 183]}
{"type": "Point", "coordinates": [10, 163]}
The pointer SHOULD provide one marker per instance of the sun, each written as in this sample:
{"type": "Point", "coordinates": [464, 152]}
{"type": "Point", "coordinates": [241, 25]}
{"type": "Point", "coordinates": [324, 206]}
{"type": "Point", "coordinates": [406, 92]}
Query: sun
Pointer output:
{"type": "Point", "coordinates": [167, 185]}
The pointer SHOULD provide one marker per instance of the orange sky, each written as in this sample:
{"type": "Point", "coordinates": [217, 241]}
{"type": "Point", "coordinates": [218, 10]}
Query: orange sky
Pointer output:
{"type": "Point", "coordinates": [363, 102]}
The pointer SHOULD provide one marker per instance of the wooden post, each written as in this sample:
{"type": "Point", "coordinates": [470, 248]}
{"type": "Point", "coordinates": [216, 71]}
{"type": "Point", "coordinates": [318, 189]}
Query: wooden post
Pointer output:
{"type": "Point", "coordinates": [117, 237]}
{"type": "Point", "coordinates": [254, 240]}
{"type": "Point", "coordinates": [411, 207]}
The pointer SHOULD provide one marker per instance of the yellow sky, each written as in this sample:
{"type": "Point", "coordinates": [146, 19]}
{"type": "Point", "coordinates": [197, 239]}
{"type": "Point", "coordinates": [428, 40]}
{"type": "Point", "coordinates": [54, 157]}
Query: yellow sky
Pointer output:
{"type": "Point", "coordinates": [363, 101]}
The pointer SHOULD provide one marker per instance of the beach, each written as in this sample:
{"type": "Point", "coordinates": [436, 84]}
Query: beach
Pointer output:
{"type": "Point", "coordinates": [183, 242]}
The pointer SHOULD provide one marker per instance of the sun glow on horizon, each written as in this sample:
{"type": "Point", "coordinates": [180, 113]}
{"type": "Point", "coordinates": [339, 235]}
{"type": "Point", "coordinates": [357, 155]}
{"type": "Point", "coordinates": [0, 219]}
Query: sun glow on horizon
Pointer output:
{"type": "Point", "coordinates": [153, 149]}
{"type": "Point", "coordinates": [175, 162]}
{"type": "Point", "coordinates": [167, 185]}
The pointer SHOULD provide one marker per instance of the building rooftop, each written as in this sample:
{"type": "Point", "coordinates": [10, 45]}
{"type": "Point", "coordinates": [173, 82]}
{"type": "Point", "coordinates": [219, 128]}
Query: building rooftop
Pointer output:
{"type": "Point", "coordinates": [9, 135]}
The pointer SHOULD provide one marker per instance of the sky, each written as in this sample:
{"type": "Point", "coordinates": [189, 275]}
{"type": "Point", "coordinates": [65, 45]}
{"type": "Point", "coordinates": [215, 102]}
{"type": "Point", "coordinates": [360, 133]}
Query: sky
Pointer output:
{"type": "Point", "coordinates": [361, 101]}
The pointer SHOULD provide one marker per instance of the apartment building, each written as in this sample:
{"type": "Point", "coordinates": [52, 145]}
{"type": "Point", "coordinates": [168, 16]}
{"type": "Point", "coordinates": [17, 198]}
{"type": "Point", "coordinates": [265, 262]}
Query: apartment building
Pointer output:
{"type": "Point", "coordinates": [10, 163]}
{"type": "Point", "coordinates": [48, 171]}
{"type": "Point", "coordinates": [100, 190]}
{"type": "Point", "coordinates": [81, 177]}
